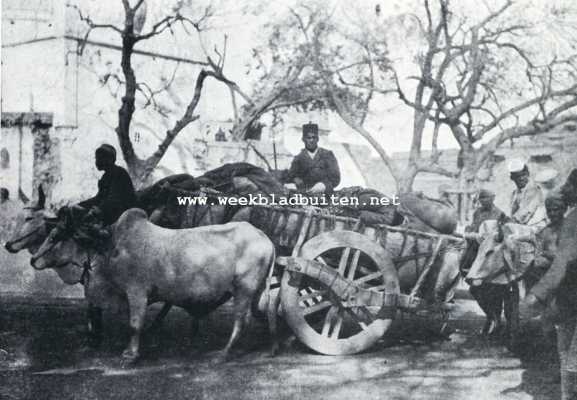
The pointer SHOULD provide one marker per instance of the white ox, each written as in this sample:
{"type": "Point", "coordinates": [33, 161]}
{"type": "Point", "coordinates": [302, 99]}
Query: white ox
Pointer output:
{"type": "Point", "coordinates": [504, 256]}
{"type": "Point", "coordinates": [502, 260]}
{"type": "Point", "coordinates": [197, 269]}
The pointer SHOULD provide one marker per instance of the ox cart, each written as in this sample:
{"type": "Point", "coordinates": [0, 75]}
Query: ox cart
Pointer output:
{"type": "Point", "coordinates": [340, 283]}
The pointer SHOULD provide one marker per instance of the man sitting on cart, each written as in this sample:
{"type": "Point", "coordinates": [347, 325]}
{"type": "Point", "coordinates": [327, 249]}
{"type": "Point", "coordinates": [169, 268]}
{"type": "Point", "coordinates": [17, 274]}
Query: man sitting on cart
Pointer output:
{"type": "Point", "coordinates": [314, 169]}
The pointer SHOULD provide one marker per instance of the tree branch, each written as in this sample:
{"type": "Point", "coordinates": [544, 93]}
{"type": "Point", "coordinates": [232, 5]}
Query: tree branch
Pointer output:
{"type": "Point", "coordinates": [160, 27]}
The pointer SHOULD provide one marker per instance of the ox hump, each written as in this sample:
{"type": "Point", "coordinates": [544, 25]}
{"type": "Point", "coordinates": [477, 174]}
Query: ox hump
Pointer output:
{"type": "Point", "coordinates": [129, 218]}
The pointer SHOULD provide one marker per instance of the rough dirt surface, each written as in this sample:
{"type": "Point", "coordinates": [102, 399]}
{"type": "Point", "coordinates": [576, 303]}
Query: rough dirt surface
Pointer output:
{"type": "Point", "coordinates": [43, 358]}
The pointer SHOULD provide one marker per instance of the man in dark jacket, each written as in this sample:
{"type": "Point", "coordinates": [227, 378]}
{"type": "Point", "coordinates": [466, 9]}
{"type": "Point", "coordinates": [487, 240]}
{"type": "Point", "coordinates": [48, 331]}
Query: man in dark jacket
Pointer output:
{"type": "Point", "coordinates": [115, 189]}
{"type": "Point", "coordinates": [560, 285]}
{"type": "Point", "coordinates": [314, 169]}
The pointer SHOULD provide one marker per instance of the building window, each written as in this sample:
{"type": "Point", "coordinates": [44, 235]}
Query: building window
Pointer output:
{"type": "Point", "coordinates": [4, 159]}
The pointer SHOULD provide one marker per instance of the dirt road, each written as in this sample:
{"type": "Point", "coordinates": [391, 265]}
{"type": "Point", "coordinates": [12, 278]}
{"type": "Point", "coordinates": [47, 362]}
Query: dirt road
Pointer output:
{"type": "Point", "coordinates": [44, 359]}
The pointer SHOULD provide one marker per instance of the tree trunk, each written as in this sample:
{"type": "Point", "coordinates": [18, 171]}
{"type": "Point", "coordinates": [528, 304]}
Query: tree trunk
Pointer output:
{"type": "Point", "coordinates": [406, 180]}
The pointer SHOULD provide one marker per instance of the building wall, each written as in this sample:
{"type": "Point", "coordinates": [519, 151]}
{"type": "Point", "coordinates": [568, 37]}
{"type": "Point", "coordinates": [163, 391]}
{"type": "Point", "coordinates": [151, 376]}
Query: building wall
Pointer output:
{"type": "Point", "coordinates": [18, 141]}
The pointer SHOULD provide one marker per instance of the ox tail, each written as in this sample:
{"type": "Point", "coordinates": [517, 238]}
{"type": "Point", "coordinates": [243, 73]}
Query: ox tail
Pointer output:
{"type": "Point", "coordinates": [272, 306]}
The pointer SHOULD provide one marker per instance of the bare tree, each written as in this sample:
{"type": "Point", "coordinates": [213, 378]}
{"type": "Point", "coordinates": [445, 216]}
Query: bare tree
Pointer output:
{"type": "Point", "coordinates": [282, 75]}
{"type": "Point", "coordinates": [477, 77]}
{"type": "Point", "coordinates": [130, 34]}
{"type": "Point", "coordinates": [470, 93]}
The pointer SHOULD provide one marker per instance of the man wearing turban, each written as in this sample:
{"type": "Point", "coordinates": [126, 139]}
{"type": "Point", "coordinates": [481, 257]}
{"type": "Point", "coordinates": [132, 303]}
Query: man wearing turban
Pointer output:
{"type": "Point", "coordinates": [527, 206]}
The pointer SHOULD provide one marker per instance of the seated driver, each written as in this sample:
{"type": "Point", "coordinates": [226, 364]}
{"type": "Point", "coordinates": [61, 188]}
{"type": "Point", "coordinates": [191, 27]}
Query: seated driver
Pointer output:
{"type": "Point", "coordinates": [115, 191]}
{"type": "Point", "coordinates": [314, 169]}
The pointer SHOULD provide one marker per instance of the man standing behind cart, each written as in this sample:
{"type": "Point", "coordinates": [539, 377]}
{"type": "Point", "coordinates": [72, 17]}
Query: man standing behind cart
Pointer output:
{"type": "Point", "coordinates": [489, 296]}
{"type": "Point", "coordinates": [314, 169]}
{"type": "Point", "coordinates": [527, 203]}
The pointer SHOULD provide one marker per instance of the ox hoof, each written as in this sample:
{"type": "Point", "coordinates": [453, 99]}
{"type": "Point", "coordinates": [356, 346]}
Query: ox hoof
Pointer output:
{"type": "Point", "coordinates": [275, 349]}
{"type": "Point", "coordinates": [220, 357]}
{"type": "Point", "coordinates": [129, 358]}
{"type": "Point", "coordinates": [491, 328]}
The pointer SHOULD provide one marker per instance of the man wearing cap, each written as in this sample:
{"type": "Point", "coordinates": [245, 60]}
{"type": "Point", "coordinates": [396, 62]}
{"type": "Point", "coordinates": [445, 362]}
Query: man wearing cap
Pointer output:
{"type": "Point", "coordinates": [314, 169]}
{"type": "Point", "coordinates": [115, 189]}
{"type": "Point", "coordinates": [527, 206]}
{"type": "Point", "coordinates": [489, 296]}
{"type": "Point", "coordinates": [486, 211]}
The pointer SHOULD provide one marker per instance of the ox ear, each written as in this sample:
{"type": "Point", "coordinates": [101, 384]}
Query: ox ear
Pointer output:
{"type": "Point", "coordinates": [41, 198]}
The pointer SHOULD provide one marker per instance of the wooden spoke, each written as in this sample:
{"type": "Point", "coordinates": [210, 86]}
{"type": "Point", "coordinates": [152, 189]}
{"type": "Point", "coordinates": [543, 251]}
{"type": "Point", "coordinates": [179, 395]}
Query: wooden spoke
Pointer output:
{"type": "Point", "coordinates": [365, 271]}
{"type": "Point", "coordinates": [354, 263]}
{"type": "Point", "coordinates": [338, 326]}
{"type": "Point", "coordinates": [344, 259]}
{"type": "Point", "coordinates": [368, 278]}
{"type": "Point", "coordinates": [367, 313]}
{"type": "Point", "coordinates": [317, 307]}
{"type": "Point", "coordinates": [321, 260]}
{"type": "Point", "coordinates": [356, 318]}
{"type": "Point", "coordinates": [333, 323]}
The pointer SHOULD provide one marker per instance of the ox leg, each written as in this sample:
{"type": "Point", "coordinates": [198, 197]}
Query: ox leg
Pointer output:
{"type": "Point", "coordinates": [137, 303]}
{"type": "Point", "coordinates": [482, 294]}
{"type": "Point", "coordinates": [157, 323]}
{"type": "Point", "coordinates": [241, 314]}
{"type": "Point", "coordinates": [94, 315]}
{"type": "Point", "coordinates": [273, 305]}
{"type": "Point", "coordinates": [511, 301]}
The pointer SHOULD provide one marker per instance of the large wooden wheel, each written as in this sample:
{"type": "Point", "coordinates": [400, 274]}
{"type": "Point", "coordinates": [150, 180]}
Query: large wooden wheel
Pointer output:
{"type": "Point", "coordinates": [318, 317]}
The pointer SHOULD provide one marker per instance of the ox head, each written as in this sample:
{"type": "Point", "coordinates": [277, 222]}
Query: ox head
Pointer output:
{"type": "Point", "coordinates": [32, 226]}
{"type": "Point", "coordinates": [489, 262]}
{"type": "Point", "coordinates": [60, 252]}
{"type": "Point", "coordinates": [499, 258]}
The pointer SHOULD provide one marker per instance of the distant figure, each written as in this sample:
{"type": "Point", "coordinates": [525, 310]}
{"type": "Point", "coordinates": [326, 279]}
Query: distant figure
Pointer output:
{"type": "Point", "coordinates": [220, 136]}
{"type": "Point", "coordinates": [314, 169]}
{"type": "Point", "coordinates": [527, 203]}
{"type": "Point", "coordinates": [547, 180]}
{"type": "Point", "coordinates": [8, 212]}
